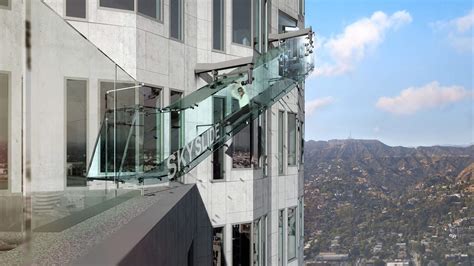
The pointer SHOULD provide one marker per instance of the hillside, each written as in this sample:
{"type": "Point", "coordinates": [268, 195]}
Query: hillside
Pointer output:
{"type": "Point", "coordinates": [367, 199]}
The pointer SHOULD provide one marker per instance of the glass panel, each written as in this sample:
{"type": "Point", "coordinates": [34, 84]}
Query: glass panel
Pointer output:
{"type": "Point", "coordinates": [281, 142]}
{"type": "Point", "coordinates": [275, 74]}
{"type": "Point", "coordinates": [218, 24]}
{"type": "Point", "coordinates": [241, 21]}
{"type": "Point", "coordinates": [5, 3]}
{"type": "Point", "coordinates": [76, 156]}
{"type": "Point", "coordinates": [4, 129]}
{"type": "Point", "coordinates": [280, 237]}
{"type": "Point", "coordinates": [119, 4]}
{"type": "Point", "coordinates": [76, 8]}
{"type": "Point", "coordinates": [176, 19]}
{"type": "Point", "coordinates": [291, 139]}
{"type": "Point", "coordinates": [285, 22]}
{"type": "Point", "coordinates": [241, 244]}
{"type": "Point", "coordinates": [301, 7]}
{"type": "Point", "coordinates": [218, 258]}
{"type": "Point", "coordinates": [291, 233]}
{"type": "Point", "coordinates": [151, 8]}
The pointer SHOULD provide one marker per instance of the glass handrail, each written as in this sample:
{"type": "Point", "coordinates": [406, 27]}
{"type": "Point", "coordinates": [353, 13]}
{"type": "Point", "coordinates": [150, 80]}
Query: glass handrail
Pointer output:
{"type": "Point", "coordinates": [191, 129]}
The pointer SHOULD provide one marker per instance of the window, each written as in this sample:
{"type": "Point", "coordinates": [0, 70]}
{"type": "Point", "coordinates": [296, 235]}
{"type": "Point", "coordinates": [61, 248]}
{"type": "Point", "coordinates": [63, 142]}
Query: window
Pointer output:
{"type": "Point", "coordinates": [241, 244]}
{"type": "Point", "coordinates": [218, 155]}
{"type": "Point", "coordinates": [5, 3]}
{"type": "Point", "coordinates": [218, 25]}
{"type": "Point", "coordinates": [256, 242]}
{"type": "Point", "coordinates": [301, 215]}
{"type": "Point", "coordinates": [119, 4]}
{"type": "Point", "coordinates": [218, 258]}
{"type": "Point", "coordinates": [76, 113]}
{"type": "Point", "coordinates": [281, 235]}
{"type": "Point", "coordinates": [285, 22]}
{"type": "Point", "coordinates": [176, 19]}
{"type": "Point", "coordinates": [76, 8]}
{"type": "Point", "coordinates": [241, 22]}
{"type": "Point", "coordinates": [150, 98]}
{"type": "Point", "coordinates": [4, 129]}
{"type": "Point", "coordinates": [151, 8]}
{"type": "Point", "coordinates": [257, 4]}
{"type": "Point", "coordinates": [281, 142]}
{"type": "Point", "coordinates": [291, 139]}
{"type": "Point", "coordinates": [241, 149]}
{"type": "Point", "coordinates": [176, 123]}
{"type": "Point", "coordinates": [301, 7]}
{"type": "Point", "coordinates": [291, 233]}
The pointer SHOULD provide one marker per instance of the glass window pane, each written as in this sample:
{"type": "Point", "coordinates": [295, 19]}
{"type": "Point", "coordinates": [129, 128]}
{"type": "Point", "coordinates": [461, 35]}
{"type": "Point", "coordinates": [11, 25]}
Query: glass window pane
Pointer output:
{"type": "Point", "coordinates": [119, 4]}
{"type": "Point", "coordinates": [280, 237]}
{"type": "Point", "coordinates": [285, 21]}
{"type": "Point", "coordinates": [218, 24]}
{"type": "Point", "coordinates": [256, 242]}
{"type": "Point", "coordinates": [175, 134]}
{"type": "Point", "coordinates": [256, 23]}
{"type": "Point", "coordinates": [280, 141]}
{"type": "Point", "coordinates": [151, 8]}
{"type": "Point", "coordinates": [218, 155]}
{"type": "Point", "coordinates": [291, 139]}
{"type": "Point", "coordinates": [4, 115]}
{"type": "Point", "coordinates": [241, 149]}
{"type": "Point", "coordinates": [76, 8]}
{"type": "Point", "coordinates": [218, 258]}
{"type": "Point", "coordinates": [241, 21]}
{"type": "Point", "coordinates": [76, 132]}
{"type": "Point", "coordinates": [241, 244]}
{"type": "Point", "coordinates": [4, 3]}
{"type": "Point", "coordinates": [291, 233]}
{"type": "Point", "coordinates": [176, 19]}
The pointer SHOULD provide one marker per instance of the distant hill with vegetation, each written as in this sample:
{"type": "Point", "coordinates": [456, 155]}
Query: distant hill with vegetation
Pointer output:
{"type": "Point", "coordinates": [363, 197]}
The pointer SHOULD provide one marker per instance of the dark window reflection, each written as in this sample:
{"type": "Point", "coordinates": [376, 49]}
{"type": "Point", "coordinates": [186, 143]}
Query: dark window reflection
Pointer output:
{"type": "Point", "coordinates": [241, 149]}
{"type": "Point", "coordinates": [218, 247]}
{"type": "Point", "coordinates": [241, 244]}
{"type": "Point", "coordinates": [291, 139]}
{"type": "Point", "coordinates": [218, 155]}
{"type": "Point", "coordinates": [4, 114]}
{"type": "Point", "coordinates": [241, 22]}
{"type": "Point", "coordinates": [218, 24]}
{"type": "Point", "coordinates": [76, 132]}
{"type": "Point", "coordinates": [119, 4]}
{"type": "Point", "coordinates": [76, 8]}
{"type": "Point", "coordinates": [175, 130]}
{"type": "Point", "coordinates": [176, 19]}
{"type": "Point", "coordinates": [151, 8]}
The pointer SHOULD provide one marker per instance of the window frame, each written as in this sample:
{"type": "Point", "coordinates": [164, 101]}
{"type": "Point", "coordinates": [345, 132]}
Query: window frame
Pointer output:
{"type": "Point", "coordinates": [223, 28]}
{"type": "Point", "coordinates": [88, 158]}
{"type": "Point", "coordinates": [76, 18]}
{"type": "Point", "coordinates": [181, 28]}
{"type": "Point", "coordinates": [9, 131]}
{"type": "Point", "coordinates": [251, 25]}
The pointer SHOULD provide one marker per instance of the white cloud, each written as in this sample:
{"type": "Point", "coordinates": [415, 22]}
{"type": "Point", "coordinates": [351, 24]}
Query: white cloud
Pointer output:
{"type": "Point", "coordinates": [312, 106]}
{"type": "Point", "coordinates": [458, 31]}
{"type": "Point", "coordinates": [414, 99]}
{"type": "Point", "coordinates": [351, 46]}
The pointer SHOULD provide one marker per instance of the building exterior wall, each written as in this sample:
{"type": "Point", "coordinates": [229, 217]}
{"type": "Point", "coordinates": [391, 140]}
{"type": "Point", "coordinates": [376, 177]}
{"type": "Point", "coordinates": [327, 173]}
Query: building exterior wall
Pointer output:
{"type": "Point", "coordinates": [143, 48]}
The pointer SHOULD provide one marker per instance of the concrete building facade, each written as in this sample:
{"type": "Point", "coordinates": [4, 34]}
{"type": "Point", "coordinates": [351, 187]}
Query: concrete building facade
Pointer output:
{"type": "Point", "coordinates": [255, 208]}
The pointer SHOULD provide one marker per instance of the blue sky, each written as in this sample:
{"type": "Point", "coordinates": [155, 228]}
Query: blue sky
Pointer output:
{"type": "Point", "coordinates": [398, 71]}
